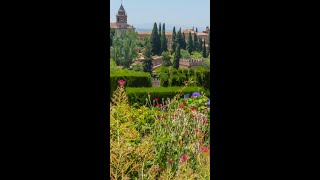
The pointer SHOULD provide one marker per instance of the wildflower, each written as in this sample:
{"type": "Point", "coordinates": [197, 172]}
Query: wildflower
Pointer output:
{"type": "Point", "coordinates": [204, 149]}
{"type": "Point", "coordinates": [172, 118]}
{"type": "Point", "coordinates": [195, 94]}
{"type": "Point", "coordinates": [196, 130]}
{"type": "Point", "coordinates": [193, 108]}
{"type": "Point", "coordinates": [184, 158]}
{"type": "Point", "coordinates": [170, 161]}
{"type": "Point", "coordinates": [163, 117]}
{"type": "Point", "coordinates": [182, 105]}
{"type": "Point", "coordinates": [159, 105]}
{"type": "Point", "coordinates": [186, 96]}
{"type": "Point", "coordinates": [160, 169]}
{"type": "Point", "coordinates": [206, 109]}
{"type": "Point", "coordinates": [208, 103]}
{"type": "Point", "coordinates": [121, 82]}
{"type": "Point", "coordinates": [156, 99]}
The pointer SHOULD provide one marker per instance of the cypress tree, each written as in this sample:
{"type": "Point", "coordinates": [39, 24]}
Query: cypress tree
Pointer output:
{"type": "Point", "coordinates": [179, 38]}
{"type": "Point", "coordinates": [196, 29]}
{"type": "Point", "coordinates": [177, 56]}
{"type": "Point", "coordinates": [204, 51]}
{"type": "Point", "coordinates": [190, 43]}
{"type": "Point", "coordinates": [163, 39]}
{"type": "Point", "coordinates": [159, 30]}
{"type": "Point", "coordinates": [173, 44]}
{"type": "Point", "coordinates": [200, 45]}
{"type": "Point", "coordinates": [184, 43]}
{"type": "Point", "coordinates": [155, 40]}
{"type": "Point", "coordinates": [147, 63]}
{"type": "Point", "coordinates": [195, 42]}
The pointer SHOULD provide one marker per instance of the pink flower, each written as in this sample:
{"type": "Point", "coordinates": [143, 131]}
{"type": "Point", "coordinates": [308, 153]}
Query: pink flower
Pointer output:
{"type": "Point", "coordinates": [196, 130]}
{"type": "Point", "coordinates": [121, 82]}
{"type": "Point", "coordinates": [184, 158]}
{"type": "Point", "coordinates": [204, 149]}
{"type": "Point", "coordinates": [159, 105]}
{"type": "Point", "coordinates": [156, 99]}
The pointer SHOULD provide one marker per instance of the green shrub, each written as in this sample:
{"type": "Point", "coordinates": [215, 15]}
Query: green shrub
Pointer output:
{"type": "Point", "coordinates": [132, 78]}
{"type": "Point", "coordinates": [139, 95]}
{"type": "Point", "coordinates": [172, 77]}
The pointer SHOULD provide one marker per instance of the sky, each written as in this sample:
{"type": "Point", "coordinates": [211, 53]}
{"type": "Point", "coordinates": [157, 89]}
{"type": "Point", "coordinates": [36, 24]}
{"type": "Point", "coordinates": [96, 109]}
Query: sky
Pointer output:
{"type": "Point", "coordinates": [180, 13]}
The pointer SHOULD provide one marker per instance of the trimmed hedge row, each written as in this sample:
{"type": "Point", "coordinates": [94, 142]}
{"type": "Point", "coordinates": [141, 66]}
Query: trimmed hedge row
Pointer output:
{"type": "Point", "coordinates": [177, 77]}
{"type": "Point", "coordinates": [139, 95]}
{"type": "Point", "coordinates": [132, 78]}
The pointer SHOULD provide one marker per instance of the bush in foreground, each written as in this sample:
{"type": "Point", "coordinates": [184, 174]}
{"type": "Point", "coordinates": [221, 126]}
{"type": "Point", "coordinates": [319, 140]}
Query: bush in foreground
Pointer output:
{"type": "Point", "coordinates": [168, 140]}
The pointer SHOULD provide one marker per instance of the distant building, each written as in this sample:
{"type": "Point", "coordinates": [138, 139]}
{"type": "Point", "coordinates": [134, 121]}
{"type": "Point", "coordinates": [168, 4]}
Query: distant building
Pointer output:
{"type": "Point", "coordinates": [190, 63]}
{"type": "Point", "coordinates": [121, 24]}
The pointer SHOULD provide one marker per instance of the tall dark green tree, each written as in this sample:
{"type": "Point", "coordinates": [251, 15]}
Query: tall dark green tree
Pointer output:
{"type": "Point", "coordinates": [190, 43]}
{"type": "Point", "coordinates": [204, 50]}
{"type": "Point", "coordinates": [163, 39]}
{"type": "Point", "coordinates": [196, 29]}
{"type": "Point", "coordinates": [195, 42]}
{"type": "Point", "coordinates": [177, 56]}
{"type": "Point", "coordinates": [173, 41]}
{"type": "Point", "coordinates": [159, 30]}
{"type": "Point", "coordinates": [184, 43]}
{"type": "Point", "coordinates": [200, 45]}
{"type": "Point", "coordinates": [179, 38]}
{"type": "Point", "coordinates": [155, 40]}
{"type": "Point", "coordinates": [147, 63]}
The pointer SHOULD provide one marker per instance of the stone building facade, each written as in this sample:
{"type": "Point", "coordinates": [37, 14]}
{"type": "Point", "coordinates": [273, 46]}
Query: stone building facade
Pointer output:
{"type": "Point", "coordinates": [121, 25]}
{"type": "Point", "coordinates": [190, 63]}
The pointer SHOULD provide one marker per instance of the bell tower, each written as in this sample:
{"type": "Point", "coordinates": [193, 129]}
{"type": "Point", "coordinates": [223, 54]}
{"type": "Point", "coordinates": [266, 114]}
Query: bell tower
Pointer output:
{"type": "Point", "coordinates": [121, 18]}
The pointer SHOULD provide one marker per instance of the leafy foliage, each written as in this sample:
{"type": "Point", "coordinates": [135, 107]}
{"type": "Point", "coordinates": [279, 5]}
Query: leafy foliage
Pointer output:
{"type": "Point", "coordinates": [166, 59]}
{"type": "Point", "coordinates": [132, 78]}
{"type": "Point", "coordinates": [155, 40]}
{"type": "Point", "coordinates": [177, 57]}
{"type": "Point", "coordinates": [124, 49]}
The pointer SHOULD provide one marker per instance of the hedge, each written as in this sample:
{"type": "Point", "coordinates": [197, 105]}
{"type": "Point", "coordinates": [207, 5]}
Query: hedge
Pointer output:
{"type": "Point", "coordinates": [132, 78]}
{"type": "Point", "coordinates": [139, 95]}
{"type": "Point", "coordinates": [177, 77]}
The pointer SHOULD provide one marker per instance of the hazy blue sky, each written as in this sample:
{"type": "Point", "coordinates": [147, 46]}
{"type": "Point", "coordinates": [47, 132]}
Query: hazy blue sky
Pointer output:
{"type": "Point", "coordinates": [184, 13]}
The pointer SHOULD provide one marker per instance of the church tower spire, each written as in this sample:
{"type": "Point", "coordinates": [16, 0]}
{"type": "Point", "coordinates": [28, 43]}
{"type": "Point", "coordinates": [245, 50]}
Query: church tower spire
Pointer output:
{"type": "Point", "coordinates": [121, 17]}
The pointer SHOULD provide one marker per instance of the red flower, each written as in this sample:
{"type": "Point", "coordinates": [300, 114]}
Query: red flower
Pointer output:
{"type": "Point", "coordinates": [204, 149]}
{"type": "Point", "coordinates": [193, 108]}
{"type": "Point", "coordinates": [205, 108]}
{"type": "Point", "coordinates": [182, 105]}
{"type": "Point", "coordinates": [196, 130]}
{"type": "Point", "coordinates": [121, 82]}
{"type": "Point", "coordinates": [184, 158]}
{"type": "Point", "coordinates": [170, 161]}
{"type": "Point", "coordinates": [163, 117]}
{"type": "Point", "coordinates": [159, 105]}
{"type": "Point", "coordinates": [156, 99]}
{"type": "Point", "coordinates": [172, 118]}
